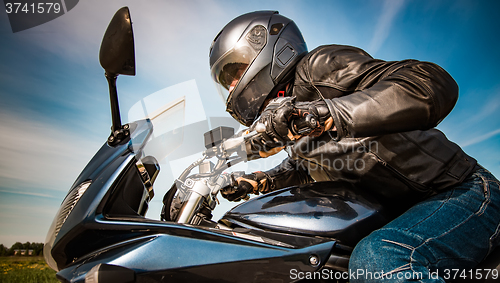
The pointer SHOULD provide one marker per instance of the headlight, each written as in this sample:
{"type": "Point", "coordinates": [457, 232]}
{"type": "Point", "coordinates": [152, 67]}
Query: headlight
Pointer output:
{"type": "Point", "coordinates": [61, 216]}
{"type": "Point", "coordinates": [69, 203]}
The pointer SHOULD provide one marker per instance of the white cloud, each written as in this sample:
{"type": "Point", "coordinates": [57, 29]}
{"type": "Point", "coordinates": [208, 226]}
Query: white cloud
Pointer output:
{"type": "Point", "coordinates": [164, 31]}
{"type": "Point", "coordinates": [26, 193]}
{"type": "Point", "coordinates": [390, 9]}
{"type": "Point", "coordinates": [40, 155]}
{"type": "Point", "coordinates": [468, 120]}
{"type": "Point", "coordinates": [39, 161]}
{"type": "Point", "coordinates": [480, 138]}
{"type": "Point", "coordinates": [490, 107]}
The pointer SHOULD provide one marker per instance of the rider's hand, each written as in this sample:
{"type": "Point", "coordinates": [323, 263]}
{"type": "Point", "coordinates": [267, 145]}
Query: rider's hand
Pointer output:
{"type": "Point", "coordinates": [257, 147]}
{"type": "Point", "coordinates": [254, 183]}
{"type": "Point", "coordinates": [273, 122]}
{"type": "Point", "coordinates": [276, 120]}
{"type": "Point", "coordinates": [319, 110]}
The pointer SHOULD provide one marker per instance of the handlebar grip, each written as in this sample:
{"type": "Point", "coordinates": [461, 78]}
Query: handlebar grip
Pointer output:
{"type": "Point", "coordinates": [304, 126]}
{"type": "Point", "coordinates": [260, 128]}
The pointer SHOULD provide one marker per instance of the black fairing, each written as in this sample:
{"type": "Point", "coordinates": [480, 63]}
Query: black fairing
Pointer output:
{"type": "Point", "coordinates": [108, 195]}
{"type": "Point", "coordinates": [329, 209]}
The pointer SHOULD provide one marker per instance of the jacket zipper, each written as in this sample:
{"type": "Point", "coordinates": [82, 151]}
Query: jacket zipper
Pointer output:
{"type": "Point", "coordinates": [402, 177]}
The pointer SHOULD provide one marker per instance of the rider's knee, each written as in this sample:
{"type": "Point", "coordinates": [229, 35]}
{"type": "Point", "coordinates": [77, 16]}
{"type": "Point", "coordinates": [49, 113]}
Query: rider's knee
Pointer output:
{"type": "Point", "coordinates": [381, 253]}
{"type": "Point", "coordinates": [366, 252]}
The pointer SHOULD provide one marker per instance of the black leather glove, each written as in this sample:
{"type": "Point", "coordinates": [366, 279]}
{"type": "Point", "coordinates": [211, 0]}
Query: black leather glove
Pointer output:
{"type": "Point", "coordinates": [318, 110]}
{"type": "Point", "coordinates": [274, 120]}
{"type": "Point", "coordinates": [283, 120]}
{"type": "Point", "coordinates": [254, 183]}
{"type": "Point", "coordinates": [257, 147]}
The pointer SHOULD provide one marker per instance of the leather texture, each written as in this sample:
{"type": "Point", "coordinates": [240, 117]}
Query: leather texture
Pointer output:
{"type": "Point", "coordinates": [276, 117]}
{"type": "Point", "coordinates": [280, 114]}
{"type": "Point", "coordinates": [254, 183]}
{"type": "Point", "coordinates": [385, 114]}
{"type": "Point", "coordinates": [317, 109]}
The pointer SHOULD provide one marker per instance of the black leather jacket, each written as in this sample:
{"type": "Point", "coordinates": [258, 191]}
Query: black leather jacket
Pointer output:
{"type": "Point", "coordinates": [385, 114]}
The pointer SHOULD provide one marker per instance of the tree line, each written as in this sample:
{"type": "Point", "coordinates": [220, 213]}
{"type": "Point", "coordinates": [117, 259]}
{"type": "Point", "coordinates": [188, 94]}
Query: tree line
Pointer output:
{"type": "Point", "coordinates": [36, 247]}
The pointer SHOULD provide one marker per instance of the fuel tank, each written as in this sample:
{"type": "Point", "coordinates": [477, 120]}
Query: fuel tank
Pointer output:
{"type": "Point", "coordinates": [329, 209]}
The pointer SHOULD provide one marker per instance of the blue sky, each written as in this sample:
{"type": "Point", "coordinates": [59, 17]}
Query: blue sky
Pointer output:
{"type": "Point", "coordinates": [54, 107]}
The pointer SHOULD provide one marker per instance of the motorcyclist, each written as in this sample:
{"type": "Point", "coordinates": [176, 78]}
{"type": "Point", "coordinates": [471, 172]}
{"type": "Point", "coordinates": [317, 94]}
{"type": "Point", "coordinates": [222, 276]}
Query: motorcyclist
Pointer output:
{"type": "Point", "coordinates": [373, 126]}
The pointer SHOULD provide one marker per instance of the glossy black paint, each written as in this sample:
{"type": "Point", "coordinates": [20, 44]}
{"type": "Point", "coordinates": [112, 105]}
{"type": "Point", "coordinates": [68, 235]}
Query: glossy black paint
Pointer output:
{"type": "Point", "coordinates": [331, 209]}
{"type": "Point", "coordinates": [183, 253]}
{"type": "Point", "coordinates": [116, 54]}
{"type": "Point", "coordinates": [94, 233]}
{"type": "Point", "coordinates": [159, 251]}
{"type": "Point", "coordinates": [106, 232]}
{"type": "Point", "coordinates": [105, 170]}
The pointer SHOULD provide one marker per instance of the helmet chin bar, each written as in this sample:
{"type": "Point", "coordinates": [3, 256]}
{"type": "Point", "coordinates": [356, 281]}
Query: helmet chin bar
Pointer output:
{"type": "Point", "coordinates": [258, 106]}
{"type": "Point", "coordinates": [245, 103]}
{"type": "Point", "coordinates": [278, 51]}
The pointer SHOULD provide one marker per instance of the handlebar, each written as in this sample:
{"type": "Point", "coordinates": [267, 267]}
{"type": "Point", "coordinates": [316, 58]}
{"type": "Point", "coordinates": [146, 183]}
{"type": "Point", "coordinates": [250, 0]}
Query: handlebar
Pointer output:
{"type": "Point", "coordinates": [302, 126]}
{"type": "Point", "coordinates": [200, 190]}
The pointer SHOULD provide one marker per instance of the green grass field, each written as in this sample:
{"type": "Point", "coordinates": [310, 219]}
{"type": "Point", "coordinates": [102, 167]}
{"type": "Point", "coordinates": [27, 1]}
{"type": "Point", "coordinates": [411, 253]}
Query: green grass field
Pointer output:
{"type": "Point", "coordinates": [25, 270]}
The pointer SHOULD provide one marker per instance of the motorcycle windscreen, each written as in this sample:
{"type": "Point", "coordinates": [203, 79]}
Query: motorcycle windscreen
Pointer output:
{"type": "Point", "coordinates": [168, 125]}
{"type": "Point", "coordinates": [179, 121]}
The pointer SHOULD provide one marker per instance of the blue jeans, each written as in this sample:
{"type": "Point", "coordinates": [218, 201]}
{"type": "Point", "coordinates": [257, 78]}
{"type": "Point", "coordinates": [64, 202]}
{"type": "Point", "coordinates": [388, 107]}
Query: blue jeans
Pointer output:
{"type": "Point", "coordinates": [455, 229]}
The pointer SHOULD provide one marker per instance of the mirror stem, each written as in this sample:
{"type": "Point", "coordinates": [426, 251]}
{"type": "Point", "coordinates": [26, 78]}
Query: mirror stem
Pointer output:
{"type": "Point", "coordinates": [118, 132]}
{"type": "Point", "coordinates": [113, 96]}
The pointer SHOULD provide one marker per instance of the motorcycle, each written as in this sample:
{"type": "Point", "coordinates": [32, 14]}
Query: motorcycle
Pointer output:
{"type": "Point", "coordinates": [100, 233]}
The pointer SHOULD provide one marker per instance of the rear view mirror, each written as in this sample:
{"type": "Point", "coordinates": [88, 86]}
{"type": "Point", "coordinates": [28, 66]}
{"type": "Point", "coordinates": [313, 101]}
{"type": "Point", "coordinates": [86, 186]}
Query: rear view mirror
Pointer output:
{"type": "Point", "coordinates": [117, 48]}
{"type": "Point", "coordinates": [117, 58]}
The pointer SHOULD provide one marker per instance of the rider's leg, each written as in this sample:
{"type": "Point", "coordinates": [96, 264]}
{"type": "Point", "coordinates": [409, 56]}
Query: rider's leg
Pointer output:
{"type": "Point", "coordinates": [455, 229]}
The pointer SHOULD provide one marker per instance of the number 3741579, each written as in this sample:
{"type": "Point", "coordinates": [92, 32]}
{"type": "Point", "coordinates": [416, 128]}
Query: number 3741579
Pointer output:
{"type": "Point", "coordinates": [454, 274]}
{"type": "Point", "coordinates": [33, 8]}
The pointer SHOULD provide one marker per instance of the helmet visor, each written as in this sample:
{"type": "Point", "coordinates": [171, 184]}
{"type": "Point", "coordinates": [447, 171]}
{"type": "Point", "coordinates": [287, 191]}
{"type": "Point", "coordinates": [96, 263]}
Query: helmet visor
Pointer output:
{"type": "Point", "coordinates": [228, 70]}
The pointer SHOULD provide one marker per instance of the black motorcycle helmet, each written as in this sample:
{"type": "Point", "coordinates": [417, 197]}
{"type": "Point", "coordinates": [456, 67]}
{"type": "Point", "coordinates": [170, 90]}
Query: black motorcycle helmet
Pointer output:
{"type": "Point", "coordinates": [252, 58]}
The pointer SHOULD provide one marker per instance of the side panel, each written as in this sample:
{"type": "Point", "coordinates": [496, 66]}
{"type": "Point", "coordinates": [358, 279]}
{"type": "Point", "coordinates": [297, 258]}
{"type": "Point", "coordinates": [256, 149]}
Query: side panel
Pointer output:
{"type": "Point", "coordinates": [194, 255]}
